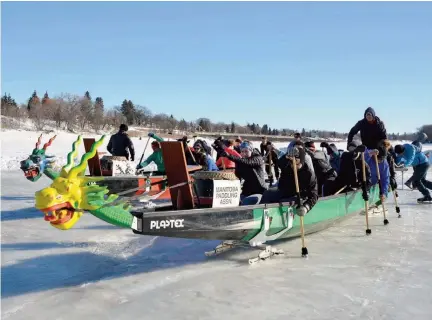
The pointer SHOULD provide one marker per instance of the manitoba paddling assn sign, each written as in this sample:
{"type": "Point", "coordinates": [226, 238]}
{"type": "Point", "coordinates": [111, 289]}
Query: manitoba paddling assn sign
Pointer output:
{"type": "Point", "coordinates": [226, 193]}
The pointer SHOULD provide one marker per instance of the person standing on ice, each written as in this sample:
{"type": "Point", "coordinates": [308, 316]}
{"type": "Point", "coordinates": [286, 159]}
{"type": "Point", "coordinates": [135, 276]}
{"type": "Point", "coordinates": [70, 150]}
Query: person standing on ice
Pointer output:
{"type": "Point", "coordinates": [250, 168]}
{"type": "Point", "coordinates": [286, 190]}
{"type": "Point", "coordinates": [410, 155]}
{"type": "Point", "coordinates": [421, 138]}
{"type": "Point", "coordinates": [383, 166]}
{"type": "Point", "coordinates": [372, 130]}
{"type": "Point", "coordinates": [120, 143]}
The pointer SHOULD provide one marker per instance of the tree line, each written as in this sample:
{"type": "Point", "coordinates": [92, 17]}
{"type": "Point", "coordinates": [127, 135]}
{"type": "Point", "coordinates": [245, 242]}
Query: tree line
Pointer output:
{"type": "Point", "coordinates": [74, 113]}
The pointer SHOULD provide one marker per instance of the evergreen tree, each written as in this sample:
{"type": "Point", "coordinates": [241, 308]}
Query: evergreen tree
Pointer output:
{"type": "Point", "coordinates": [46, 99]}
{"type": "Point", "coordinates": [87, 95]}
{"type": "Point", "coordinates": [128, 110]}
{"type": "Point", "coordinates": [33, 101]}
{"type": "Point", "coordinates": [233, 127]}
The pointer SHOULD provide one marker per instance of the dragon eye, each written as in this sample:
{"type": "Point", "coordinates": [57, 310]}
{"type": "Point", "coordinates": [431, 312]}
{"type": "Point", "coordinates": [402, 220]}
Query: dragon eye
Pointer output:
{"type": "Point", "coordinates": [91, 183]}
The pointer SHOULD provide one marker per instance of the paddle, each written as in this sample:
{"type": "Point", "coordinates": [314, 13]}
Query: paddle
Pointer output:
{"type": "Point", "coordinates": [365, 195]}
{"type": "Point", "coordinates": [299, 203]}
{"type": "Point", "coordinates": [397, 206]}
{"type": "Point", "coordinates": [142, 156]}
{"type": "Point", "coordinates": [380, 188]}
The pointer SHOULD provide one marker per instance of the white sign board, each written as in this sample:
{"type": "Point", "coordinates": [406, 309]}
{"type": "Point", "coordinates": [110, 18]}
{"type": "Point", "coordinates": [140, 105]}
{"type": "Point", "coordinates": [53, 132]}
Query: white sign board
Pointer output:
{"type": "Point", "coordinates": [122, 168]}
{"type": "Point", "coordinates": [226, 193]}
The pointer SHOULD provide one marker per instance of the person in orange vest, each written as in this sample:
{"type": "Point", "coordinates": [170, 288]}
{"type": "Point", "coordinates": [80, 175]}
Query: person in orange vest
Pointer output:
{"type": "Point", "coordinates": [224, 163]}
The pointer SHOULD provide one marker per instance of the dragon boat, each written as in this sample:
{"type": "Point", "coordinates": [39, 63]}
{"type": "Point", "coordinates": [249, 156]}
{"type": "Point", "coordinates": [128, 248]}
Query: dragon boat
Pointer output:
{"type": "Point", "coordinates": [204, 205]}
{"type": "Point", "coordinates": [115, 172]}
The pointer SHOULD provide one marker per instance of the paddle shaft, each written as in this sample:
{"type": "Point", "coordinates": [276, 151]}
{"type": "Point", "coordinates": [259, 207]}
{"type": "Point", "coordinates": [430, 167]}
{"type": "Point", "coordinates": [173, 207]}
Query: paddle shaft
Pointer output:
{"type": "Point", "coordinates": [142, 156]}
{"type": "Point", "coordinates": [380, 187]}
{"type": "Point", "coordinates": [396, 203]}
{"type": "Point", "coordinates": [368, 231]}
{"type": "Point", "coordinates": [304, 249]}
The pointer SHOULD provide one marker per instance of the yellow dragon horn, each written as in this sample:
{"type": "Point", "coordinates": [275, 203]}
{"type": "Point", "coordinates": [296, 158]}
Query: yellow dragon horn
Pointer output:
{"type": "Point", "coordinates": [83, 164]}
{"type": "Point", "coordinates": [70, 157]}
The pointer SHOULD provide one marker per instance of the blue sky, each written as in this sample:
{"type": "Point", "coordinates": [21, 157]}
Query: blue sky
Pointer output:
{"type": "Point", "coordinates": [287, 64]}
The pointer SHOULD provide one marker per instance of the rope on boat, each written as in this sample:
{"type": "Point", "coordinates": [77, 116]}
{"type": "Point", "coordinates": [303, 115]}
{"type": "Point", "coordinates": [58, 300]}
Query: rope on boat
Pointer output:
{"type": "Point", "coordinates": [214, 175]}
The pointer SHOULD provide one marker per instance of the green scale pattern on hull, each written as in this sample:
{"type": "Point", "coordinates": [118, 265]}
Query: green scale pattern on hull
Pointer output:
{"type": "Point", "coordinates": [325, 213]}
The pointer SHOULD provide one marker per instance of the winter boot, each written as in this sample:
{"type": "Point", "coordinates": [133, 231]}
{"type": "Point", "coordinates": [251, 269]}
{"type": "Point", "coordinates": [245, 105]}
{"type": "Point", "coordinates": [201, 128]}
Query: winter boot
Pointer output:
{"type": "Point", "coordinates": [425, 199]}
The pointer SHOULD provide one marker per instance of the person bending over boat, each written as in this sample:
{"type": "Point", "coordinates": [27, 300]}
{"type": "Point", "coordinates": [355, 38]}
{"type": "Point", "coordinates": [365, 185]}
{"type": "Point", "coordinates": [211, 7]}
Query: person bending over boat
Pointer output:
{"type": "Point", "coordinates": [203, 158]}
{"type": "Point", "coordinates": [421, 138]}
{"type": "Point", "coordinates": [410, 155]}
{"type": "Point", "coordinates": [121, 145]}
{"type": "Point", "coordinates": [391, 157]}
{"type": "Point", "coordinates": [155, 157]}
{"type": "Point", "coordinates": [350, 176]}
{"type": "Point", "coordinates": [223, 163]}
{"type": "Point", "coordinates": [325, 174]}
{"type": "Point", "coordinates": [250, 168]}
{"type": "Point", "coordinates": [372, 130]}
{"type": "Point", "coordinates": [383, 166]}
{"type": "Point", "coordinates": [335, 155]}
{"type": "Point", "coordinates": [286, 190]}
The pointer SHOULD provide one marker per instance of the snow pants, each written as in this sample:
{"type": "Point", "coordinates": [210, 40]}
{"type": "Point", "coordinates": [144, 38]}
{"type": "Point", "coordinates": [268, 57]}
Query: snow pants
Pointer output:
{"type": "Point", "coordinates": [419, 179]}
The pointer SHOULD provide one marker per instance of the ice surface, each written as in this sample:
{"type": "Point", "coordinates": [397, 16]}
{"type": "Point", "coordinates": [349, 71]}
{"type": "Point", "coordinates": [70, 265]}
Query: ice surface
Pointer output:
{"type": "Point", "coordinates": [98, 271]}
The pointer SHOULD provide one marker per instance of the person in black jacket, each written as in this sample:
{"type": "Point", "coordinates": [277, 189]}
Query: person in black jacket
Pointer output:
{"type": "Point", "coordinates": [372, 130]}
{"type": "Point", "coordinates": [286, 191]}
{"type": "Point", "coordinates": [324, 172]}
{"type": "Point", "coordinates": [351, 175]}
{"type": "Point", "coordinates": [250, 168]}
{"type": "Point", "coordinates": [120, 143]}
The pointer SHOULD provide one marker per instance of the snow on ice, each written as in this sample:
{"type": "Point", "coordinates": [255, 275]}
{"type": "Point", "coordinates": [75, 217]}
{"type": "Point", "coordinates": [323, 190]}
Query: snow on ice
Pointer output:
{"type": "Point", "coordinates": [98, 271]}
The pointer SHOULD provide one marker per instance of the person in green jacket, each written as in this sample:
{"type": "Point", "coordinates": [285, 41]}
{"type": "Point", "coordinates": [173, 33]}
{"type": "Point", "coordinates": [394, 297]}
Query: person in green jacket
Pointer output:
{"type": "Point", "coordinates": [155, 157]}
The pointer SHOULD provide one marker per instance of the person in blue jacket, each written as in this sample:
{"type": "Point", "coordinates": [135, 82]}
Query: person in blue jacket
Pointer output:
{"type": "Point", "coordinates": [410, 155]}
{"type": "Point", "coordinates": [383, 166]}
{"type": "Point", "coordinates": [203, 158]}
{"type": "Point", "coordinates": [421, 138]}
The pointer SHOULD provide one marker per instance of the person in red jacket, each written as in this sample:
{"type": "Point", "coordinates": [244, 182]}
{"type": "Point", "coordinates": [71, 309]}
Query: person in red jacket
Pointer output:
{"type": "Point", "coordinates": [224, 163]}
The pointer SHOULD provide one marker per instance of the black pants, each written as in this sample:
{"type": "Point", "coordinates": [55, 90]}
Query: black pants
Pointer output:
{"type": "Point", "coordinates": [419, 179]}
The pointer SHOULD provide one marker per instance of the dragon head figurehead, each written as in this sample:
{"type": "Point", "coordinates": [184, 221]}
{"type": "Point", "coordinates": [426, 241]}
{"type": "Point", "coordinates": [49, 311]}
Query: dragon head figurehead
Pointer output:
{"type": "Point", "coordinates": [71, 193]}
{"type": "Point", "coordinates": [34, 166]}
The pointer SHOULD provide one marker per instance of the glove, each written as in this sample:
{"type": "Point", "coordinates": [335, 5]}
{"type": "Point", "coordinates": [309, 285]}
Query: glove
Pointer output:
{"type": "Point", "coordinates": [139, 166]}
{"type": "Point", "coordinates": [151, 134]}
{"type": "Point", "coordinates": [324, 144]}
{"type": "Point", "coordinates": [364, 193]}
{"type": "Point", "coordinates": [393, 183]}
{"type": "Point", "coordinates": [223, 153]}
{"type": "Point", "coordinates": [302, 210]}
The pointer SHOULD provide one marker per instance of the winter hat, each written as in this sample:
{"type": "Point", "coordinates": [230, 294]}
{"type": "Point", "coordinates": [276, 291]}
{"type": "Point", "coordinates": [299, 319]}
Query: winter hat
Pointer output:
{"type": "Point", "coordinates": [371, 111]}
{"type": "Point", "coordinates": [352, 145]}
{"type": "Point", "coordinates": [310, 145]}
{"type": "Point", "coordinates": [293, 152]}
{"type": "Point", "coordinates": [399, 149]}
{"type": "Point", "coordinates": [246, 145]}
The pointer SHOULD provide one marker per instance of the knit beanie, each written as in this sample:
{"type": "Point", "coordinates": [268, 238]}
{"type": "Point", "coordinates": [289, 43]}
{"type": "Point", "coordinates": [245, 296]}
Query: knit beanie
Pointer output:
{"type": "Point", "coordinates": [399, 149]}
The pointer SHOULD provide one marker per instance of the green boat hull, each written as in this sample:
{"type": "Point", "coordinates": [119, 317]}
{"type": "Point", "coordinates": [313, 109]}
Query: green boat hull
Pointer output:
{"type": "Point", "coordinates": [254, 224]}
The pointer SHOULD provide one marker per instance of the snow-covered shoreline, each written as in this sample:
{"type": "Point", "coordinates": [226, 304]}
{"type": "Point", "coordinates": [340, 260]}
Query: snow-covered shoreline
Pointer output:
{"type": "Point", "coordinates": [17, 145]}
